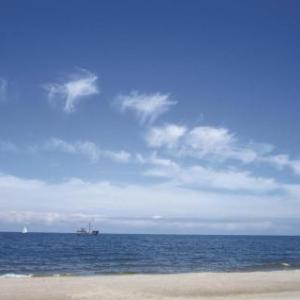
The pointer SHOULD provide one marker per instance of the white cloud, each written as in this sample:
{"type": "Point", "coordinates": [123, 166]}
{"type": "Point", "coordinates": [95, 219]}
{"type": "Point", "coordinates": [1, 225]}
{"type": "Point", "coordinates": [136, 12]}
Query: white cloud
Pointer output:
{"type": "Point", "coordinates": [157, 217]}
{"type": "Point", "coordinates": [167, 135]}
{"type": "Point", "coordinates": [49, 221]}
{"type": "Point", "coordinates": [155, 160]}
{"type": "Point", "coordinates": [58, 144]}
{"type": "Point", "coordinates": [3, 89]}
{"type": "Point", "coordinates": [86, 148]}
{"type": "Point", "coordinates": [24, 217]}
{"type": "Point", "coordinates": [147, 107]}
{"type": "Point", "coordinates": [209, 139]}
{"type": "Point", "coordinates": [79, 87]}
{"type": "Point", "coordinates": [202, 141]}
{"type": "Point", "coordinates": [282, 161]}
{"type": "Point", "coordinates": [206, 178]}
{"type": "Point", "coordinates": [216, 144]}
{"type": "Point", "coordinates": [132, 207]}
{"type": "Point", "coordinates": [118, 156]}
{"type": "Point", "coordinates": [295, 166]}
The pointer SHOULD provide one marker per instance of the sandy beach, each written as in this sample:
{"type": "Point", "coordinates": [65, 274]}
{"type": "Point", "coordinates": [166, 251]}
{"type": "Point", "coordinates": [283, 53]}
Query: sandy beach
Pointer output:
{"type": "Point", "coordinates": [256, 285]}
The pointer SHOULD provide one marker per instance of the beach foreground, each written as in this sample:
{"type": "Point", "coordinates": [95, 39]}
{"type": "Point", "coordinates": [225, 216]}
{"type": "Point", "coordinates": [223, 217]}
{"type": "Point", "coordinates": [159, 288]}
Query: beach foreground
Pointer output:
{"type": "Point", "coordinates": [254, 285]}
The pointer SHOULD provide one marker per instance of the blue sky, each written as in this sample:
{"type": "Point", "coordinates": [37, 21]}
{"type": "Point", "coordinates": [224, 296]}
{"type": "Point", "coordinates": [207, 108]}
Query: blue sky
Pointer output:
{"type": "Point", "coordinates": [157, 116]}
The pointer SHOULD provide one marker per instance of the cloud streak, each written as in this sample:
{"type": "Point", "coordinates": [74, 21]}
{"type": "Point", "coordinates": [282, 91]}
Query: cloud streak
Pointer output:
{"type": "Point", "coordinates": [87, 149]}
{"type": "Point", "coordinates": [216, 144]}
{"type": "Point", "coordinates": [146, 107]}
{"type": "Point", "coordinates": [81, 85]}
{"type": "Point", "coordinates": [199, 177]}
{"type": "Point", "coordinates": [165, 136]}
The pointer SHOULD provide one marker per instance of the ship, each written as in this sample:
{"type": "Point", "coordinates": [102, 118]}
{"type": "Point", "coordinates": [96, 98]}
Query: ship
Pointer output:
{"type": "Point", "coordinates": [89, 231]}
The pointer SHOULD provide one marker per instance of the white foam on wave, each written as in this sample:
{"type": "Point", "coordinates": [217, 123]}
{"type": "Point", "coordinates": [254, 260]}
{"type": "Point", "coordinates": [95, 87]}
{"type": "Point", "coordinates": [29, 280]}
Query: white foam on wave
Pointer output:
{"type": "Point", "coordinates": [285, 264]}
{"type": "Point", "coordinates": [12, 275]}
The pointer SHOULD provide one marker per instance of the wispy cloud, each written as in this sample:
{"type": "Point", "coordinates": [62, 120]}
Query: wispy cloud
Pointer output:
{"type": "Point", "coordinates": [80, 85]}
{"type": "Point", "coordinates": [216, 144]}
{"type": "Point", "coordinates": [219, 143]}
{"type": "Point", "coordinates": [201, 141]}
{"type": "Point", "coordinates": [200, 177]}
{"type": "Point", "coordinates": [117, 156]}
{"type": "Point", "coordinates": [209, 139]}
{"type": "Point", "coordinates": [146, 107]}
{"type": "Point", "coordinates": [167, 135]}
{"type": "Point", "coordinates": [282, 161]}
{"type": "Point", "coordinates": [197, 176]}
{"type": "Point", "coordinates": [155, 160]}
{"type": "Point", "coordinates": [3, 89]}
{"type": "Point", "coordinates": [87, 149]}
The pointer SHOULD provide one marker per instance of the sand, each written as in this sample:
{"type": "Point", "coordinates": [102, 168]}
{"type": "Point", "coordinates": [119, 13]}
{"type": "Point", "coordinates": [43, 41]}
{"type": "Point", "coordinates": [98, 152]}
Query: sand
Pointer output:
{"type": "Point", "coordinates": [257, 285]}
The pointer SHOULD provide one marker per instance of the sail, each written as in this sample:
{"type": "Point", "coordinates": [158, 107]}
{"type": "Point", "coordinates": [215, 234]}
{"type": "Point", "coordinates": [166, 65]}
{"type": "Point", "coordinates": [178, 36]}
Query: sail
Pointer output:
{"type": "Point", "coordinates": [24, 229]}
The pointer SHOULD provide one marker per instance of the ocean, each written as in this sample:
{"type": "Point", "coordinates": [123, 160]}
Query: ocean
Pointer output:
{"type": "Point", "coordinates": [45, 254]}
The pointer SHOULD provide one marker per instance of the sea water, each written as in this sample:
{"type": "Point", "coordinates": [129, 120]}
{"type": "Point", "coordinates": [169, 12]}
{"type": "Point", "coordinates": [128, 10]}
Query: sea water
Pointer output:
{"type": "Point", "coordinates": [41, 254]}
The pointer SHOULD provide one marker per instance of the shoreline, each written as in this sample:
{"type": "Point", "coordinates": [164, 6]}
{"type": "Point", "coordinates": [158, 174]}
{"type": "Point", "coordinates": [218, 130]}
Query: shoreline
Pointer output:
{"type": "Point", "coordinates": [104, 274]}
{"type": "Point", "coordinates": [233, 285]}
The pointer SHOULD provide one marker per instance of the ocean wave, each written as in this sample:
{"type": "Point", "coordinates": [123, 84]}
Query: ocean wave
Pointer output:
{"type": "Point", "coordinates": [285, 264]}
{"type": "Point", "coordinates": [272, 266]}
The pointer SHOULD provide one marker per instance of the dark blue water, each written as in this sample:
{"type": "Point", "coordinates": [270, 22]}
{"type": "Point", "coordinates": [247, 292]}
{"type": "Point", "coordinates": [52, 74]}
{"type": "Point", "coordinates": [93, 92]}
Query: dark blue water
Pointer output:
{"type": "Point", "coordinates": [51, 254]}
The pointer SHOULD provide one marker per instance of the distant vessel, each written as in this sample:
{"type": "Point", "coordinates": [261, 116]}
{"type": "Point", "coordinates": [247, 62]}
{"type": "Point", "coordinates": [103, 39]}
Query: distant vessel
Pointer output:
{"type": "Point", "coordinates": [84, 231]}
{"type": "Point", "coordinates": [24, 230]}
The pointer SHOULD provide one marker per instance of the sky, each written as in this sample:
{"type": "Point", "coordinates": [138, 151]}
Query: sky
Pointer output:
{"type": "Point", "coordinates": [150, 116]}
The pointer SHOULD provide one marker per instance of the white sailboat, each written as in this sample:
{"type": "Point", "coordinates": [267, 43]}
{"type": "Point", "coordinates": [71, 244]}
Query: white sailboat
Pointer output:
{"type": "Point", "coordinates": [24, 230]}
